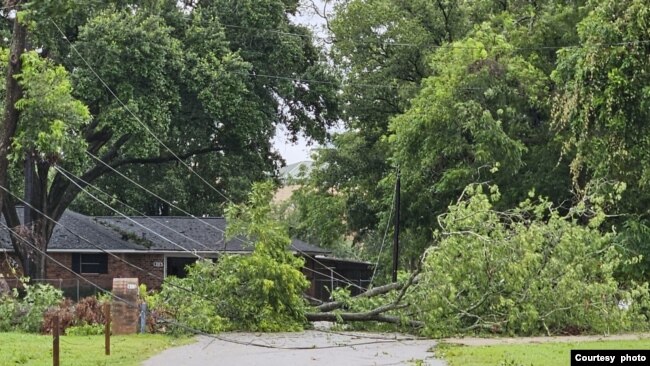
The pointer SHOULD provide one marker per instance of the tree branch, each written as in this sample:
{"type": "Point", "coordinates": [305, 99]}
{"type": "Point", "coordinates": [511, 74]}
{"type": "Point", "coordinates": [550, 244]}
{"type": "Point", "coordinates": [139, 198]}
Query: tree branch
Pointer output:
{"type": "Point", "coordinates": [61, 193]}
{"type": "Point", "coordinates": [368, 316]}
{"type": "Point", "coordinates": [333, 305]}
{"type": "Point", "coordinates": [166, 158]}
{"type": "Point", "coordinates": [376, 314]}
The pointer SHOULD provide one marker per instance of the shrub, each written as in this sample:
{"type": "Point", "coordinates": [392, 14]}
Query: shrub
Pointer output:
{"type": "Point", "coordinates": [85, 330]}
{"type": "Point", "coordinates": [65, 312]}
{"type": "Point", "coordinates": [87, 312]}
{"type": "Point", "coordinates": [25, 313]}
{"type": "Point", "coordinates": [38, 298]}
{"type": "Point", "coordinates": [8, 306]}
{"type": "Point", "coordinates": [526, 271]}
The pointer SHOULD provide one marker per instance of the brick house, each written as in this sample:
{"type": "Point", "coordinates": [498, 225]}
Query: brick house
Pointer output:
{"type": "Point", "coordinates": [81, 244]}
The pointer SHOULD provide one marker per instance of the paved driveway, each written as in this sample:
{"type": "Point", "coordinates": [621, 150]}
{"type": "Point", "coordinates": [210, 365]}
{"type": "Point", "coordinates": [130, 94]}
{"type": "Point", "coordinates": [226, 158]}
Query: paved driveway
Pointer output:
{"type": "Point", "coordinates": [306, 348]}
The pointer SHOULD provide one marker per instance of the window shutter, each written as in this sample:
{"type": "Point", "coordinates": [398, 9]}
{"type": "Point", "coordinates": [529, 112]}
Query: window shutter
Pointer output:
{"type": "Point", "coordinates": [103, 263]}
{"type": "Point", "coordinates": [76, 259]}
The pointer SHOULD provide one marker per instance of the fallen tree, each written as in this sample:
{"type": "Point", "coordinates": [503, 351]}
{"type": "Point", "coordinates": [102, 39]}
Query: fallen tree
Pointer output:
{"type": "Point", "coordinates": [329, 311]}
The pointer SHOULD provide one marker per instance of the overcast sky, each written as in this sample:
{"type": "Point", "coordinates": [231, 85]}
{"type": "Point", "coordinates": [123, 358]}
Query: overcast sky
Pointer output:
{"type": "Point", "coordinates": [300, 151]}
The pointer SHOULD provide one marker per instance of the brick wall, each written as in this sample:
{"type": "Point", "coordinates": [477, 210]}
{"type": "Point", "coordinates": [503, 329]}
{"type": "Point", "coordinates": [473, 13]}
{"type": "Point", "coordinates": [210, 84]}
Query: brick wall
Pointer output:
{"type": "Point", "coordinates": [116, 268]}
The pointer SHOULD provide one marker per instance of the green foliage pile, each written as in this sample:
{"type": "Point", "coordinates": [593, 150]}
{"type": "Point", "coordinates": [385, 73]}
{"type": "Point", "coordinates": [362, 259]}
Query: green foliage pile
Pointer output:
{"type": "Point", "coordinates": [24, 312]}
{"type": "Point", "coordinates": [257, 292]}
{"type": "Point", "coordinates": [525, 271]}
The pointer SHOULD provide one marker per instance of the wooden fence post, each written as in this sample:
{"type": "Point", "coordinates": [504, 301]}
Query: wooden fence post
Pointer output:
{"type": "Point", "coordinates": [55, 340]}
{"type": "Point", "coordinates": [107, 328]}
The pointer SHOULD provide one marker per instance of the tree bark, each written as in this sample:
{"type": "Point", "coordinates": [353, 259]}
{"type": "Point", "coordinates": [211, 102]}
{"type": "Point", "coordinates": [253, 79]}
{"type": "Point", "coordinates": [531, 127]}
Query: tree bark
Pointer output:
{"type": "Point", "coordinates": [376, 314]}
{"type": "Point", "coordinates": [380, 290]}
{"type": "Point", "coordinates": [11, 114]}
{"type": "Point", "coordinates": [13, 93]}
{"type": "Point", "coordinates": [332, 317]}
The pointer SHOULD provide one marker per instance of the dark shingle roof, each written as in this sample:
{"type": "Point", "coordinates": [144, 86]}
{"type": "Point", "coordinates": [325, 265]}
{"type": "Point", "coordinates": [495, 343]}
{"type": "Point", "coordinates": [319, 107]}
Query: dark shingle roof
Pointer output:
{"type": "Point", "coordinates": [121, 234]}
{"type": "Point", "coordinates": [72, 222]}
{"type": "Point", "coordinates": [200, 234]}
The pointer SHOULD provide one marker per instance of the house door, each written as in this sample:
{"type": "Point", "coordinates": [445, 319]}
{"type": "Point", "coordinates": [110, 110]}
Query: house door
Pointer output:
{"type": "Point", "coordinates": [176, 266]}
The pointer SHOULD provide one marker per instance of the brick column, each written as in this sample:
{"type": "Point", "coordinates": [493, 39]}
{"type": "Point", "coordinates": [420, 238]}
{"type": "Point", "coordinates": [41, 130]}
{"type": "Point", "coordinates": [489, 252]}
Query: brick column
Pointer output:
{"type": "Point", "coordinates": [124, 309]}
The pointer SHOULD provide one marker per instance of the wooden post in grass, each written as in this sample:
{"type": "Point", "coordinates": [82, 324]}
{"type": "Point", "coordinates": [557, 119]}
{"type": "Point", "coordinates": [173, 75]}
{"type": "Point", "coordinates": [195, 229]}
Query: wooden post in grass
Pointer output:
{"type": "Point", "coordinates": [55, 340]}
{"type": "Point", "coordinates": [107, 328]}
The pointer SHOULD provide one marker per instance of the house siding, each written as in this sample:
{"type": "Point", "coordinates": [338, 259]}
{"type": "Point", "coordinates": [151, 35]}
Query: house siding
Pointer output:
{"type": "Point", "coordinates": [116, 268]}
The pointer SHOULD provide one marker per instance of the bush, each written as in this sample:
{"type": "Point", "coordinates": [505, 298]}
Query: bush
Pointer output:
{"type": "Point", "coordinates": [87, 312]}
{"type": "Point", "coordinates": [34, 311]}
{"type": "Point", "coordinates": [8, 306]}
{"type": "Point", "coordinates": [65, 312]}
{"type": "Point", "coordinates": [25, 313]}
{"type": "Point", "coordinates": [526, 271]}
{"type": "Point", "coordinates": [174, 306]}
{"type": "Point", "coordinates": [85, 330]}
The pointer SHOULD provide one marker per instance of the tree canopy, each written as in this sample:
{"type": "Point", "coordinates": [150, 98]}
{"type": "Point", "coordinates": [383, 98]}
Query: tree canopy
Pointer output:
{"type": "Point", "coordinates": [158, 91]}
{"type": "Point", "coordinates": [542, 95]}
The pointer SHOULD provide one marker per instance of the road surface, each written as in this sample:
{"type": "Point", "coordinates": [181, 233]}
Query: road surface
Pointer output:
{"type": "Point", "coordinates": [314, 347]}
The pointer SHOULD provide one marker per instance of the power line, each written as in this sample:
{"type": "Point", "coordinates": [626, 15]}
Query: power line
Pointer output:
{"type": "Point", "coordinates": [341, 277]}
{"type": "Point", "coordinates": [150, 274]}
{"type": "Point", "coordinates": [136, 117]}
{"type": "Point", "coordinates": [16, 235]}
{"type": "Point", "coordinates": [78, 235]}
{"type": "Point", "coordinates": [123, 260]}
{"type": "Point", "coordinates": [88, 184]}
{"type": "Point", "coordinates": [158, 196]}
{"type": "Point", "coordinates": [157, 139]}
{"type": "Point", "coordinates": [176, 156]}
{"type": "Point", "coordinates": [125, 216]}
{"type": "Point", "coordinates": [383, 241]}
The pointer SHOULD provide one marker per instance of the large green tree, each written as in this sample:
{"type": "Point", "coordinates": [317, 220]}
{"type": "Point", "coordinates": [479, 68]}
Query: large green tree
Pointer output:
{"type": "Point", "coordinates": [447, 91]}
{"type": "Point", "coordinates": [481, 117]}
{"type": "Point", "coordinates": [602, 111]}
{"type": "Point", "coordinates": [209, 79]}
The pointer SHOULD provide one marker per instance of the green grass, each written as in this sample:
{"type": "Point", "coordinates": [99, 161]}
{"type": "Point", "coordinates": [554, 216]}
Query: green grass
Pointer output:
{"type": "Point", "coordinates": [36, 350]}
{"type": "Point", "coordinates": [535, 354]}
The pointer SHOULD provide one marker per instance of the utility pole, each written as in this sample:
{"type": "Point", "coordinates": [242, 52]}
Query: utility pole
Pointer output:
{"type": "Point", "coordinates": [396, 233]}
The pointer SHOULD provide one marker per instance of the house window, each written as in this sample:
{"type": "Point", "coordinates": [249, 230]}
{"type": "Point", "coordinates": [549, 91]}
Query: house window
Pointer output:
{"type": "Point", "coordinates": [90, 263]}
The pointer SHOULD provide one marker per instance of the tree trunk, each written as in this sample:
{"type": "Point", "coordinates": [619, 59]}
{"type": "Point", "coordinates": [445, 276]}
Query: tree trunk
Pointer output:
{"type": "Point", "coordinates": [28, 209]}
{"type": "Point", "coordinates": [32, 249]}
{"type": "Point", "coordinates": [10, 118]}
{"type": "Point", "coordinates": [13, 94]}
{"type": "Point", "coordinates": [351, 317]}
{"type": "Point", "coordinates": [34, 265]}
{"type": "Point", "coordinates": [377, 314]}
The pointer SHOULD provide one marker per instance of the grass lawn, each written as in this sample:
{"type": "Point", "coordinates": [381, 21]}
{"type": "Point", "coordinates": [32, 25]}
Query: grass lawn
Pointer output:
{"type": "Point", "coordinates": [535, 354]}
{"type": "Point", "coordinates": [33, 350]}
